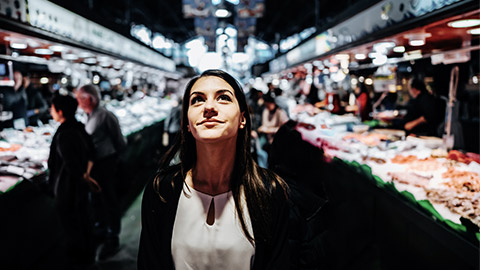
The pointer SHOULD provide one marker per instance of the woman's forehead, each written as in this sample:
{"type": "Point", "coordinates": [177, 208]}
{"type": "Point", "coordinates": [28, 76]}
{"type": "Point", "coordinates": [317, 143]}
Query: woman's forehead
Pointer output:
{"type": "Point", "coordinates": [211, 83]}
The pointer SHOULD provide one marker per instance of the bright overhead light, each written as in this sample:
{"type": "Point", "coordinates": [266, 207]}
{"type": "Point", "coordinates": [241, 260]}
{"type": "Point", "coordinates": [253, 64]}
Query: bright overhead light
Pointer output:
{"type": "Point", "coordinates": [91, 60]}
{"type": "Point", "coordinates": [44, 80]}
{"type": "Point", "coordinates": [464, 23]}
{"type": "Point", "coordinates": [399, 49]}
{"type": "Point", "coordinates": [416, 42]}
{"type": "Point", "coordinates": [380, 60]}
{"type": "Point", "coordinates": [85, 54]}
{"type": "Point", "coordinates": [44, 51]}
{"type": "Point", "coordinates": [18, 45]}
{"type": "Point", "coordinates": [360, 56]}
{"type": "Point", "coordinates": [70, 56]}
{"type": "Point", "coordinates": [222, 13]}
{"type": "Point", "coordinates": [57, 48]}
{"type": "Point", "coordinates": [475, 31]}
{"type": "Point", "coordinates": [342, 56]}
{"type": "Point", "coordinates": [230, 31]}
{"type": "Point", "coordinates": [368, 81]}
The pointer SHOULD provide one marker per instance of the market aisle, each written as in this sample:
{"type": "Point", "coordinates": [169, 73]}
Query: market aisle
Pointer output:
{"type": "Point", "coordinates": [126, 258]}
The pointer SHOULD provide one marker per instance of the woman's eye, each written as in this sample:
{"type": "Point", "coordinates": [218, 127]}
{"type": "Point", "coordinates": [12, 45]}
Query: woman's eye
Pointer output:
{"type": "Point", "coordinates": [196, 99]}
{"type": "Point", "coordinates": [224, 97]}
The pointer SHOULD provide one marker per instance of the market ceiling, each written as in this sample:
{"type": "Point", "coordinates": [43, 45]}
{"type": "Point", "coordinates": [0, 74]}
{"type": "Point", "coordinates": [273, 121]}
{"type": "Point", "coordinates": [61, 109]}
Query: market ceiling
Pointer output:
{"type": "Point", "coordinates": [281, 18]}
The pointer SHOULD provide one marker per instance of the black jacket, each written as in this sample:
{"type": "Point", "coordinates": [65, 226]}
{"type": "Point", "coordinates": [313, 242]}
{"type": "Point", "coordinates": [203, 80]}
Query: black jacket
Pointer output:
{"type": "Point", "coordinates": [158, 219]}
{"type": "Point", "coordinates": [70, 151]}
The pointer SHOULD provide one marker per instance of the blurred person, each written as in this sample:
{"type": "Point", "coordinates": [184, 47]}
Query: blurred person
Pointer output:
{"type": "Point", "coordinates": [69, 162]}
{"type": "Point", "coordinates": [103, 127]}
{"type": "Point", "coordinates": [36, 105]}
{"type": "Point", "coordinates": [216, 209]}
{"type": "Point", "coordinates": [14, 99]}
{"type": "Point", "coordinates": [282, 101]}
{"type": "Point", "coordinates": [363, 106]}
{"type": "Point", "coordinates": [424, 112]}
{"type": "Point", "coordinates": [173, 123]}
{"type": "Point", "coordinates": [273, 117]}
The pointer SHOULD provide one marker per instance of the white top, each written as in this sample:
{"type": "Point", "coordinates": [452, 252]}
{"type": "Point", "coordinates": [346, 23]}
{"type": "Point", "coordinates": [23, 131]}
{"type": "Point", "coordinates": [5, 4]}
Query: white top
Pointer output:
{"type": "Point", "coordinates": [222, 245]}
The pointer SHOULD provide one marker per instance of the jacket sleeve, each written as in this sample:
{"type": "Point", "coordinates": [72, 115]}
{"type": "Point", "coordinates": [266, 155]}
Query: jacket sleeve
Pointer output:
{"type": "Point", "coordinates": [279, 247]}
{"type": "Point", "coordinates": [150, 249]}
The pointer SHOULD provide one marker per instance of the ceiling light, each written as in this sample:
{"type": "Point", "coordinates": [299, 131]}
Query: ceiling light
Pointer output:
{"type": "Point", "coordinates": [360, 56]}
{"type": "Point", "coordinates": [417, 39]}
{"type": "Point", "coordinates": [379, 60]}
{"type": "Point", "coordinates": [91, 60]}
{"type": "Point", "coordinates": [57, 48]}
{"type": "Point", "coordinates": [399, 49]}
{"type": "Point", "coordinates": [69, 56]}
{"type": "Point", "coordinates": [44, 51]}
{"type": "Point", "coordinates": [222, 13]}
{"type": "Point", "coordinates": [417, 42]}
{"type": "Point", "coordinates": [368, 81]}
{"type": "Point", "coordinates": [44, 80]}
{"type": "Point", "coordinates": [475, 31]}
{"type": "Point", "coordinates": [18, 46]}
{"type": "Point", "coordinates": [342, 56]}
{"type": "Point", "coordinates": [464, 23]}
{"type": "Point", "coordinates": [85, 54]}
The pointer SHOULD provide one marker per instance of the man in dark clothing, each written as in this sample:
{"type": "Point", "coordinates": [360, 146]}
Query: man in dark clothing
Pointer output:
{"type": "Point", "coordinates": [14, 99]}
{"type": "Point", "coordinates": [68, 163]}
{"type": "Point", "coordinates": [424, 111]}
{"type": "Point", "coordinates": [36, 104]}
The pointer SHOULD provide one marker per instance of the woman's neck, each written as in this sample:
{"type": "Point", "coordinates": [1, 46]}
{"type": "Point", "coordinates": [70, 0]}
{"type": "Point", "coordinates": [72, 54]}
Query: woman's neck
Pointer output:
{"type": "Point", "coordinates": [213, 169]}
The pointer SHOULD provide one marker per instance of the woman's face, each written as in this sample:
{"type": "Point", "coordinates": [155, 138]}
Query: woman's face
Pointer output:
{"type": "Point", "coordinates": [213, 112]}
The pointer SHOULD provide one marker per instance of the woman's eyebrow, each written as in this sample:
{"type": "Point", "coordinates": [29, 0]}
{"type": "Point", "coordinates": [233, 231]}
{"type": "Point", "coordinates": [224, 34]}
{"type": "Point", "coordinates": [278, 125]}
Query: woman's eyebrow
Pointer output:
{"type": "Point", "coordinates": [221, 91]}
{"type": "Point", "coordinates": [197, 93]}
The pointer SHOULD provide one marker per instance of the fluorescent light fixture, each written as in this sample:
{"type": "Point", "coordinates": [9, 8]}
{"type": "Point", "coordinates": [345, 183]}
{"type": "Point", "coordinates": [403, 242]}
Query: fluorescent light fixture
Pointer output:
{"type": "Point", "coordinates": [464, 23]}
{"type": "Point", "coordinates": [57, 48]}
{"type": "Point", "coordinates": [399, 49]}
{"type": "Point", "coordinates": [342, 56]}
{"type": "Point", "coordinates": [222, 13]}
{"type": "Point", "coordinates": [70, 56]}
{"type": "Point", "coordinates": [475, 31]}
{"type": "Point", "coordinates": [18, 45]}
{"type": "Point", "coordinates": [91, 60]}
{"type": "Point", "coordinates": [44, 51]}
{"type": "Point", "coordinates": [360, 56]}
{"type": "Point", "coordinates": [44, 80]}
{"type": "Point", "coordinates": [416, 42]}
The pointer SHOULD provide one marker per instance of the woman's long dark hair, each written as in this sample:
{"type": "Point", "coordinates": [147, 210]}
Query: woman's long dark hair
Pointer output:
{"type": "Point", "coordinates": [257, 184]}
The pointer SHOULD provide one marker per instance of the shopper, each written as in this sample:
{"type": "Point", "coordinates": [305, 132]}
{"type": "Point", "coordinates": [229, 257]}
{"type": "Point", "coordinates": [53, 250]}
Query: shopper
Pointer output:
{"type": "Point", "coordinates": [273, 117]}
{"type": "Point", "coordinates": [424, 112]}
{"type": "Point", "coordinates": [14, 99]}
{"type": "Point", "coordinates": [109, 142]}
{"type": "Point", "coordinates": [363, 104]}
{"type": "Point", "coordinates": [36, 104]}
{"type": "Point", "coordinates": [216, 209]}
{"type": "Point", "coordinates": [70, 152]}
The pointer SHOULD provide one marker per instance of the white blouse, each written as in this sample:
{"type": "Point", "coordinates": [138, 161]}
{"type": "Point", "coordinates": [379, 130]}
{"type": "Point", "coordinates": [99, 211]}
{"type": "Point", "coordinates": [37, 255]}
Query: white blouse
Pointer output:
{"type": "Point", "coordinates": [222, 245]}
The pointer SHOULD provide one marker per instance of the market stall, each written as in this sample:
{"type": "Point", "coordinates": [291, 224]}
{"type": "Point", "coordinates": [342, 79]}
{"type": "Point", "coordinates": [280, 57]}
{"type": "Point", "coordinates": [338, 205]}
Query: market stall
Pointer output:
{"type": "Point", "coordinates": [391, 196]}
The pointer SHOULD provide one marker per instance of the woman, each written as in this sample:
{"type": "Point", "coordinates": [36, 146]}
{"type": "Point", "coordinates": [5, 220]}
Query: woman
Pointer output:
{"type": "Point", "coordinates": [217, 208]}
{"type": "Point", "coordinates": [69, 164]}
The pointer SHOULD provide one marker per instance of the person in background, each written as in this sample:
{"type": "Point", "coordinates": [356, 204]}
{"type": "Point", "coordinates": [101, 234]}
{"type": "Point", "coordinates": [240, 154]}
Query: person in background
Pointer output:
{"type": "Point", "coordinates": [272, 118]}
{"type": "Point", "coordinates": [109, 142]}
{"type": "Point", "coordinates": [14, 99]}
{"type": "Point", "coordinates": [69, 162]}
{"type": "Point", "coordinates": [36, 104]}
{"type": "Point", "coordinates": [424, 112]}
{"type": "Point", "coordinates": [282, 101]}
{"type": "Point", "coordinates": [363, 104]}
{"type": "Point", "coordinates": [172, 122]}
{"type": "Point", "coordinates": [216, 209]}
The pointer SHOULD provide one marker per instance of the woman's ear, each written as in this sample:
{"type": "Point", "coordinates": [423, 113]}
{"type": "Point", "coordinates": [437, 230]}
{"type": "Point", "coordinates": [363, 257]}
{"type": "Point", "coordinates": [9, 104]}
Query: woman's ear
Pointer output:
{"type": "Point", "coordinates": [243, 122]}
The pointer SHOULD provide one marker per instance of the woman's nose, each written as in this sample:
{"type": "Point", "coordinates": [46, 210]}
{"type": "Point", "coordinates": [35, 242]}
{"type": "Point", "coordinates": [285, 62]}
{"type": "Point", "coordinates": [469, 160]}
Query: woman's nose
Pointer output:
{"type": "Point", "coordinates": [209, 109]}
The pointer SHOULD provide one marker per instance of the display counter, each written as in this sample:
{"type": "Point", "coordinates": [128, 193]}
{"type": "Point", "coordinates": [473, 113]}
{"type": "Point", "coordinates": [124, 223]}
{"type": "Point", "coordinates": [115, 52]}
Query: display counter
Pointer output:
{"type": "Point", "coordinates": [392, 202]}
{"type": "Point", "coordinates": [31, 236]}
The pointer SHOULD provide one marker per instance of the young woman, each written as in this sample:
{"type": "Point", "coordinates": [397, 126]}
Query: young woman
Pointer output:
{"type": "Point", "coordinates": [216, 208]}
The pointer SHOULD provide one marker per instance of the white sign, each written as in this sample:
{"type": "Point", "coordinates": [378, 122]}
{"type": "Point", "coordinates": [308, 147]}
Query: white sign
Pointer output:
{"type": "Point", "coordinates": [55, 19]}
